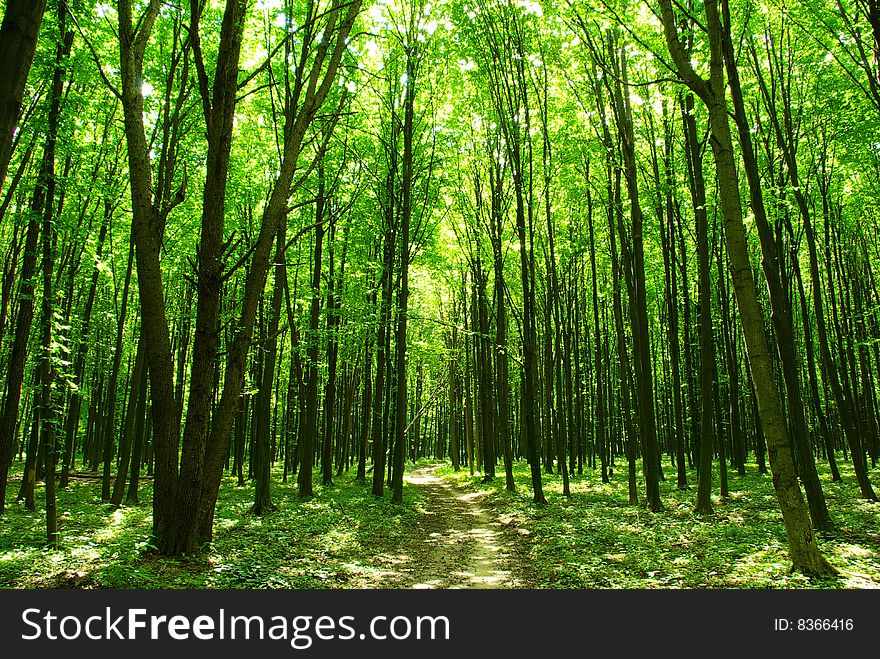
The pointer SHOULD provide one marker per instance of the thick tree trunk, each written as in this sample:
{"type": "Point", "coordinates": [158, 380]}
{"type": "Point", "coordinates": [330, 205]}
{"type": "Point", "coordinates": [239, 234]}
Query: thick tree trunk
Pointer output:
{"type": "Point", "coordinates": [780, 301]}
{"type": "Point", "coordinates": [339, 20]}
{"type": "Point", "coordinates": [18, 44]}
{"type": "Point", "coordinates": [147, 230]}
{"type": "Point", "coordinates": [219, 109]}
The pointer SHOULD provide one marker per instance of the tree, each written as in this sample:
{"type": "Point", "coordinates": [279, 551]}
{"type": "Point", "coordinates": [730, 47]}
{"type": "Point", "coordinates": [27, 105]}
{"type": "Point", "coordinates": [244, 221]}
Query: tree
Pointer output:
{"type": "Point", "coordinates": [18, 43]}
{"type": "Point", "coordinates": [802, 548]}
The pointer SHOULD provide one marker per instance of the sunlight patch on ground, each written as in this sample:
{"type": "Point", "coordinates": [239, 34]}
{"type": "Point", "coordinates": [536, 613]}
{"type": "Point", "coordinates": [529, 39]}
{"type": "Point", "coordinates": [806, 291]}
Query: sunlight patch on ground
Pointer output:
{"type": "Point", "coordinates": [860, 581]}
{"type": "Point", "coordinates": [471, 496]}
{"type": "Point", "coordinates": [854, 551]}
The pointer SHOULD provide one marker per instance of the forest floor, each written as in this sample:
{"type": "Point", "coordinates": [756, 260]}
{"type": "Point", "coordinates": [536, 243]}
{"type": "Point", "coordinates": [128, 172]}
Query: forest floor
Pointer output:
{"type": "Point", "coordinates": [456, 542]}
{"type": "Point", "coordinates": [453, 531]}
{"type": "Point", "coordinates": [595, 539]}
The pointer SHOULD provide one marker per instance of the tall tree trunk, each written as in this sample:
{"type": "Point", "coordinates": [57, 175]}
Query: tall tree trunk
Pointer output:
{"type": "Point", "coordinates": [112, 387]}
{"type": "Point", "coordinates": [47, 416]}
{"type": "Point", "coordinates": [454, 393]}
{"type": "Point", "coordinates": [366, 409]}
{"type": "Point", "coordinates": [804, 553]}
{"type": "Point", "coordinates": [639, 303]}
{"type": "Point", "coordinates": [18, 44]}
{"type": "Point", "coordinates": [129, 426]}
{"type": "Point", "coordinates": [484, 363]}
{"type": "Point", "coordinates": [41, 203]}
{"type": "Point", "coordinates": [597, 337]}
{"type": "Point", "coordinates": [780, 301]}
{"type": "Point", "coordinates": [406, 191]}
{"type": "Point", "coordinates": [309, 428]}
{"type": "Point", "coordinates": [218, 106]}
{"type": "Point", "coordinates": [333, 294]}
{"type": "Point", "coordinates": [667, 232]}
{"type": "Point", "coordinates": [263, 466]}
{"type": "Point", "coordinates": [71, 427]}
{"type": "Point", "coordinates": [693, 152]}
{"type": "Point", "coordinates": [148, 229]}
{"type": "Point", "coordinates": [502, 379]}
{"type": "Point", "coordinates": [466, 381]}
{"type": "Point", "coordinates": [380, 400]}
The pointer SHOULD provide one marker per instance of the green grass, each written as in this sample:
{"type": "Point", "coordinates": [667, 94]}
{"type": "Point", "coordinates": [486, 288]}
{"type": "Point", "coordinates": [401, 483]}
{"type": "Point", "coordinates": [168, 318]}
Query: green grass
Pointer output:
{"type": "Point", "coordinates": [344, 537]}
{"type": "Point", "coordinates": [594, 539]}
{"type": "Point", "coordinates": [341, 537]}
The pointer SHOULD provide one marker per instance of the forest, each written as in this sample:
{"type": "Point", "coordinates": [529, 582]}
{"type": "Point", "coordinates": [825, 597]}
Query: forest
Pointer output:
{"type": "Point", "coordinates": [439, 294]}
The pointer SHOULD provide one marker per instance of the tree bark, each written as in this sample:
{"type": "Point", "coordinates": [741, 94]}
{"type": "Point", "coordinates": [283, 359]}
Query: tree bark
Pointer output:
{"type": "Point", "coordinates": [804, 553]}
{"type": "Point", "coordinates": [693, 151]}
{"type": "Point", "coordinates": [18, 44]}
{"type": "Point", "coordinates": [309, 428]}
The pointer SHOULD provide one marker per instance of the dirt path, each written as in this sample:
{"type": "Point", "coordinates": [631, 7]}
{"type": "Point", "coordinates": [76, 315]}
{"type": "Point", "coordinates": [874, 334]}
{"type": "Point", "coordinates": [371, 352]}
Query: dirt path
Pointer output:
{"type": "Point", "coordinates": [456, 543]}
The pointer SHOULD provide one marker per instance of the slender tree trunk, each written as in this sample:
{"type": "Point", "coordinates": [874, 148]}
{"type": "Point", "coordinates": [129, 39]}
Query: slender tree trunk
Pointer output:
{"type": "Point", "coordinates": [309, 428]}
{"type": "Point", "coordinates": [129, 426]}
{"type": "Point", "coordinates": [693, 151]}
{"type": "Point", "coordinates": [639, 303]}
{"type": "Point", "coordinates": [484, 362]}
{"type": "Point", "coordinates": [502, 381]}
{"type": "Point", "coordinates": [668, 232]}
{"type": "Point", "coordinates": [804, 553]}
{"type": "Point", "coordinates": [453, 400]}
{"type": "Point", "coordinates": [332, 357]}
{"type": "Point", "coordinates": [599, 416]}
{"type": "Point", "coordinates": [366, 409]}
{"type": "Point", "coordinates": [140, 439]}
{"type": "Point", "coordinates": [71, 427]}
{"type": "Point", "coordinates": [112, 387]}
{"type": "Point", "coordinates": [263, 465]}
{"type": "Point", "coordinates": [406, 189]}
{"type": "Point", "coordinates": [47, 416]}
{"type": "Point", "coordinates": [381, 398]}
{"type": "Point", "coordinates": [466, 382]}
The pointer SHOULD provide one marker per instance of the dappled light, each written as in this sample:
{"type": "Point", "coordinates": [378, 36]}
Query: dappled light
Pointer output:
{"type": "Point", "coordinates": [409, 294]}
{"type": "Point", "coordinates": [461, 548]}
